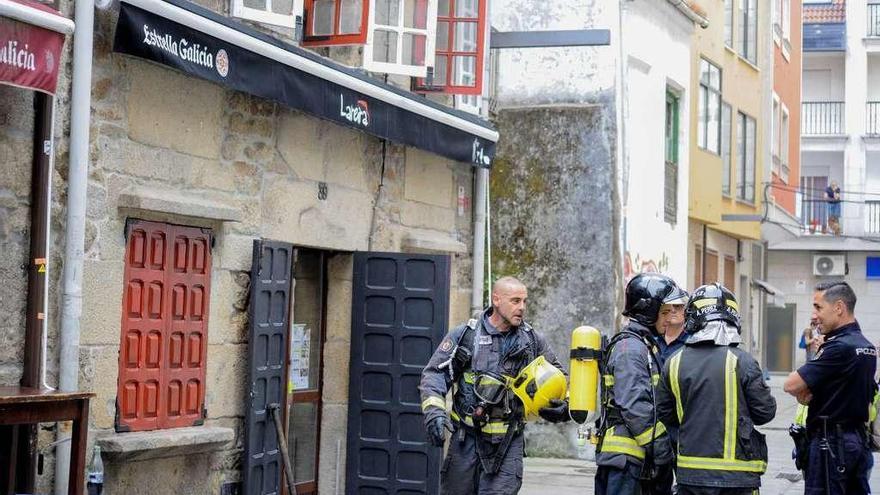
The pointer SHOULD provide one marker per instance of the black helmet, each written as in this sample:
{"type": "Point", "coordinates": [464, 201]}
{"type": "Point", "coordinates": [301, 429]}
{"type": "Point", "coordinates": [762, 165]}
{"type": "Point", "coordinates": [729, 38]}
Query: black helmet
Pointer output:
{"type": "Point", "coordinates": [711, 303]}
{"type": "Point", "coordinates": [646, 292]}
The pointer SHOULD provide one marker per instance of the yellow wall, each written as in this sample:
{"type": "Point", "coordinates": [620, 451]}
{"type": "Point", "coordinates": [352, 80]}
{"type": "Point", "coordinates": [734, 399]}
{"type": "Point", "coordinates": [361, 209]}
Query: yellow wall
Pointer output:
{"type": "Point", "coordinates": [743, 89]}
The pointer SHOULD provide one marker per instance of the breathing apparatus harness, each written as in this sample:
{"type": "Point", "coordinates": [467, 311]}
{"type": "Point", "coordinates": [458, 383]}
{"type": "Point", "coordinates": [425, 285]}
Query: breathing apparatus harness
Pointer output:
{"type": "Point", "coordinates": [495, 396]}
{"type": "Point", "coordinates": [649, 470]}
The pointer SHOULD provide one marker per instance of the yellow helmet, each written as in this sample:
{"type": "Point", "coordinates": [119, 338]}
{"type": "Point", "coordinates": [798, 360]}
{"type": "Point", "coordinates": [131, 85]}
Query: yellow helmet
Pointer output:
{"type": "Point", "coordinates": [537, 384]}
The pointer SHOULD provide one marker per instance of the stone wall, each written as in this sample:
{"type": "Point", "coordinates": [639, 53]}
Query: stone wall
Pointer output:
{"type": "Point", "coordinates": [553, 225]}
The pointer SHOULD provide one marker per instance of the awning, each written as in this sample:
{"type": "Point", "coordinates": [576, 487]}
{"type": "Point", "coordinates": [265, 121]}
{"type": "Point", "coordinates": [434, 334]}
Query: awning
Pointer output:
{"type": "Point", "coordinates": [31, 37]}
{"type": "Point", "coordinates": [776, 296]}
{"type": "Point", "coordinates": [204, 44]}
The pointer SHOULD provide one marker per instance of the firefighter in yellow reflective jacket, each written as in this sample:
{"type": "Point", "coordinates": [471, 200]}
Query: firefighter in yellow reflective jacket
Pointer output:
{"type": "Point", "coordinates": [476, 361]}
{"type": "Point", "coordinates": [717, 394]}
{"type": "Point", "coordinates": [634, 454]}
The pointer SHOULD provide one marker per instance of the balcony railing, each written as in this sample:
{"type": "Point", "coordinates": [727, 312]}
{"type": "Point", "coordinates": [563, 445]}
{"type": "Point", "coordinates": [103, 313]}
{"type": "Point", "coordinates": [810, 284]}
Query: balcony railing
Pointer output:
{"type": "Point", "coordinates": [872, 217]}
{"type": "Point", "coordinates": [872, 113]}
{"type": "Point", "coordinates": [814, 216]}
{"type": "Point", "coordinates": [874, 19]}
{"type": "Point", "coordinates": [822, 118]}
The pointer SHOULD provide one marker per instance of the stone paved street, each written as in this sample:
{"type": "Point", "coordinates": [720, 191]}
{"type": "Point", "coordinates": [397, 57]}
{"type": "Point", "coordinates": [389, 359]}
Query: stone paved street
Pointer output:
{"type": "Point", "coordinates": [570, 477]}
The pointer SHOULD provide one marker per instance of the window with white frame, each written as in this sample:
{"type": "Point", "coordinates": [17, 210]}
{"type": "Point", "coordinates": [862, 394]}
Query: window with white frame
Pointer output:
{"type": "Point", "coordinates": [774, 134]}
{"type": "Point", "coordinates": [728, 22]}
{"type": "Point", "coordinates": [746, 154]}
{"type": "Point", "coordinates": [709, 106]}
{"type": "Point", "coordinates": [783, 143]}
{"type": "Point", "coordinates": [458, 69]}
{"type": "Point", "coordinates": [786, 19]}
{"type": "Point", "coordinates": [748, 32]}
{"type": "Point", "coordinates": [725, 148]}
{"type": "Point", "coordinates": [274, 12]}
{"type": "Point", "coordinates": [400, 38]}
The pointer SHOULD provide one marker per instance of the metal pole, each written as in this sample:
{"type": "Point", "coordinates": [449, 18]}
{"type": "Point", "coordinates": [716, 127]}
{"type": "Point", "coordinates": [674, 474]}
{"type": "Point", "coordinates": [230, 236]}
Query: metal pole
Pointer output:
{"type": "Point", "coordinates": [481, 184]}
{"type": "Point", "coordinates": [282, 443]}
{"type": "Point", "coordinates": [77, 183]}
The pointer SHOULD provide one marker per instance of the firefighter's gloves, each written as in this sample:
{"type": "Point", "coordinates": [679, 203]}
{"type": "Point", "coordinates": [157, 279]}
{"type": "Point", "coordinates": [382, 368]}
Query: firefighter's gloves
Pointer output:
{"type": "Point", "coordinates": [556, 412]}
{"type": "Point", "coordinates": [437, 430]}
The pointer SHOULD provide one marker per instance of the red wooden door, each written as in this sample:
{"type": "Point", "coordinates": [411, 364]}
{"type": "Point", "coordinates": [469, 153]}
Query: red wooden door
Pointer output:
{"type": "Point", "coordinates": [164, 327]}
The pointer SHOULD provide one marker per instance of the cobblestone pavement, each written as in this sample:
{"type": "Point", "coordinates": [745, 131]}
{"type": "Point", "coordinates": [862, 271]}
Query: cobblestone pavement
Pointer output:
{"type": "Point", "coordinates": [572, 476]}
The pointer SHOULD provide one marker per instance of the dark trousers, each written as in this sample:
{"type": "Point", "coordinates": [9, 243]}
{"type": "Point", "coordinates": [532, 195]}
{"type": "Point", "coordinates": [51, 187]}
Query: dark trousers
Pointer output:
{"type": "Point", "coordinates": [846, 465]}
{"type": "Point", "coordinates": [616, 481]}
{"type": "Point", "coordinates": [710, 490]}
{"type": "Point", "coordinates": [462, 473]}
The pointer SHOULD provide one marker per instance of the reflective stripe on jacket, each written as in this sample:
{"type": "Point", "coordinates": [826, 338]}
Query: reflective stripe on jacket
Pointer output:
{"type": "Point", "coordinates": [717, 395]}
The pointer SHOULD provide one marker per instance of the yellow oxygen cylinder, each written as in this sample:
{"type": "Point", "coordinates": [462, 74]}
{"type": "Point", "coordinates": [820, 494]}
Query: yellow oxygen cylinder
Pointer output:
{"type": "Point", "coordinates": [586, 347]}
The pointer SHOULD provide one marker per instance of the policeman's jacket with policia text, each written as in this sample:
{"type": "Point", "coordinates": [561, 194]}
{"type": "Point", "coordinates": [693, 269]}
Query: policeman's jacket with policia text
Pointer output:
{"type": "Point", "coordinates": [716, 393]}
{"type": "Point", "coordinates": [486, 369]}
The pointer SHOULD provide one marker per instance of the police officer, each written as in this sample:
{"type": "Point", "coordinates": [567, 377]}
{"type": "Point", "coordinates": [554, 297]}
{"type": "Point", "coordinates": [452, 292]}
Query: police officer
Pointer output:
{"type": "Point", "coordinates": [634, 454]}
{"type": "Point", "coordinates": [486, 449]}
{"type": "Point", "coordinates": [838, 384]}
{"type": "Point", "coordinates": [716, 394]}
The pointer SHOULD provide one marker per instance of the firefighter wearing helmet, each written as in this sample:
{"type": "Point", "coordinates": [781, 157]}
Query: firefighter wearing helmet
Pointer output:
{"type": "Point", "coordinates": [715, 393]}
{"type": "Point", "coordinates": [634, 453]}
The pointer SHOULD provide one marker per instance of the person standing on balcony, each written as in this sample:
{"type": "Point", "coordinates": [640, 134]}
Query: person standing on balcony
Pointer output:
{"type": "Point", "coordinates": [832, 196]}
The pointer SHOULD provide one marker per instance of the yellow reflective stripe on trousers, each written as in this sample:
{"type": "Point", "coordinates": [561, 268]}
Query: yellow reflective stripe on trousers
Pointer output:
{"type": "Point", "coordinates": [491, 428]}
{"type": "Point", "coordinates": [673, 382]}
{"type": "Point", "coordinates": [645, 437]}
{"type": "Point", "coordinates": [730, 406]}
{"type": "Point", "coordinates": [621, 445]}
{"type": "Point", "coordinates": [713, 464]}
{"type": "Point", "coordinates": [433, 401]}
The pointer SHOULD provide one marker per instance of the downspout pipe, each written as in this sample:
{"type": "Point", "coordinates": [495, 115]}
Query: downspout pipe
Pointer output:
{"type": "Point", "coordinates": [691, 14]}
{"type": "Point", "coordinates": [481, 184]}
{"type": "Point", "coordinates": [77, 183]}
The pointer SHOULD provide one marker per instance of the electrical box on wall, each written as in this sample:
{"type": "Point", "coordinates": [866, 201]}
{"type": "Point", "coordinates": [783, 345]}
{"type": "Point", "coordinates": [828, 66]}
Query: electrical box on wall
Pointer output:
{"type": "Point", "coordinates": [829, 265]}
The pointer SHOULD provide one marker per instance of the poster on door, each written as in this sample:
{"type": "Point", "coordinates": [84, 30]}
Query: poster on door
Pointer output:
{"type": "Point", "coordinates": [300, 347]}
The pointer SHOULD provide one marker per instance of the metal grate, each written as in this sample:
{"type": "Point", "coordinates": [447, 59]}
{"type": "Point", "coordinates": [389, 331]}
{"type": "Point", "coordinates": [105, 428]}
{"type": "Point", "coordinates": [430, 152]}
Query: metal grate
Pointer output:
{"type": "Point", "coordinates": [822, 118]}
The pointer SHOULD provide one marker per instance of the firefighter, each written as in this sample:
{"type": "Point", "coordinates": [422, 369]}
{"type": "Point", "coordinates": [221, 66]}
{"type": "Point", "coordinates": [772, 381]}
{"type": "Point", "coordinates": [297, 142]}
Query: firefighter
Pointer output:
{"type": "Point", "coordinates": [838, 384]}
{"type": "Point", "coordinates": [634, 454]}
{"type": "Point", "coordinates": [715, 393]}
{"type": "Point", "coordinates": [486, 419]}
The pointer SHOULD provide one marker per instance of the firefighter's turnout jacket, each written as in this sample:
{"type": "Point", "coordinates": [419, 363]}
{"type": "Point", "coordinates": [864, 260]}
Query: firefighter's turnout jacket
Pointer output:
{"type": "Point", "coordinates": [632, 430]}
{"type": "Point", "coordinates": [492, 351]}
{"type": "Point", "coordinates": [717, 394]}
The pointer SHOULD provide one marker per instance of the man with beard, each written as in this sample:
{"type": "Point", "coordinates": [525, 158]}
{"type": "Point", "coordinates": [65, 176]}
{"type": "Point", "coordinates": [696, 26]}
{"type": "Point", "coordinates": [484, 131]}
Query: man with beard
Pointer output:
{"type": "Point", "coordinates": [486, 449]}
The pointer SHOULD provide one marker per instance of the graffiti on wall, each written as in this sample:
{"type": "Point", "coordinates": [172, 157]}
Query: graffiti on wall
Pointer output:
{"type": "Point", "coordinates": [633, 264]}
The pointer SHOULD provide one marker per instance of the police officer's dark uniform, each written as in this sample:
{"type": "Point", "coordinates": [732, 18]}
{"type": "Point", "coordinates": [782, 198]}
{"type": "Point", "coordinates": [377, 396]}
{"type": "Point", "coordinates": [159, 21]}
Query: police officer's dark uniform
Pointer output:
{"type": "Point", "coordinates": [634, 454]}
{"type": "Point", "coordinates": [494, 439]}
{"type": "Point", "coordinates": [716, 394]}
{"type": "Point", "coordinates": [841, 379]}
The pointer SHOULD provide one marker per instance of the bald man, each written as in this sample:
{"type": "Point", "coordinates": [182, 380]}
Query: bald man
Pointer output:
{"type": "Point", "coordinates": [486, 449]}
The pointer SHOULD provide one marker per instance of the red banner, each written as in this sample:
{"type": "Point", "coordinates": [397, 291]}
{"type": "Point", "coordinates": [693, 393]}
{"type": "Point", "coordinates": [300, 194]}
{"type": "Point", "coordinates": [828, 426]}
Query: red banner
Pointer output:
{"type": "Point", "coordinates": [29, 55]}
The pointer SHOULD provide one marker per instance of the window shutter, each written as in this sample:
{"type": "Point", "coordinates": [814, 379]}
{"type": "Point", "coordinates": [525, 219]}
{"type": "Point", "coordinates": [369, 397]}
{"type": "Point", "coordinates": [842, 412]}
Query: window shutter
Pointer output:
{"type": "Point", "coordinates": [460, 49]}
{"type": "Point", "coordinates": [164, 332]}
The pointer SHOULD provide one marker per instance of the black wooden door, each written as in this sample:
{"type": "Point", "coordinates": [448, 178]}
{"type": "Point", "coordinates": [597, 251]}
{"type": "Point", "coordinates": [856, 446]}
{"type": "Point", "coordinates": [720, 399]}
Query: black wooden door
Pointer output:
{"type": "Point", "coordinates": [400, 308]}
{"type": "Point", "coordinates": [267, 346]}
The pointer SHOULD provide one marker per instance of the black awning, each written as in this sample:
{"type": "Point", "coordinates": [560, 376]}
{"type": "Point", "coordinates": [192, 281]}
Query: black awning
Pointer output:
{"type": "Point", "coordinates": [201, 43]}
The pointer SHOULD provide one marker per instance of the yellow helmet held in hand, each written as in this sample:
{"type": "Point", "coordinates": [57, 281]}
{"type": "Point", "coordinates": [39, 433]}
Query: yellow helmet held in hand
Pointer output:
{"type": "Point", "coordinates": [537, 384]}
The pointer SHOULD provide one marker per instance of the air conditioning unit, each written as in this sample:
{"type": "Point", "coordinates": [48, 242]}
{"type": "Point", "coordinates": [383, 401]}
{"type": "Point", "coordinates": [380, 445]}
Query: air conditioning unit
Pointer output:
{"type": "Point", "coordinates": [828, 265]}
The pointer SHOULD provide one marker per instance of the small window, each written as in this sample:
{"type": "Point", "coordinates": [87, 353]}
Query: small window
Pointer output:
{"type": "Point", "coordinates": [748, 39]}
{"type": "Point", "coordinates": [400, 37]}
{"type": "Point", "coordinates": [745, 176]}
{"type": "Point", "coordinates": [708, 128]}
{"type": "Point", "coordinates": [725, 148]}
{"type": "Point", "coordinates": [783, 144]}
{"type": "Point", "coordinates": [458, 66]}
{"type": "Point", "coordinates": [728, 23]}
{"type": "Point", "coordinates": [275, 12]}
{"type": "Point", "coordinates": [730, 272]}
{"type": "Point", "coordinates": [335, 22]}
{"type": "Point", "coordinates": [670, 189]}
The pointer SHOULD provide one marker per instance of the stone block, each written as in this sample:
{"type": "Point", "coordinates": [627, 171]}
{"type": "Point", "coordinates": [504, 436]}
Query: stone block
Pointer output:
{"type": "Point", "coordinates": [175, 442]}
{"type": "Point", "coordinates": [157, 200]}
{"type": "Point", "coordinates": [334, 426]}
{"type": "Point", "coordinates": [299, 138]}
{"type": "Point", "coordinates": [338, 311]}
{"type": "Point", "coordinates": [104, 360]}
{"type": "Point", "coordinates": [336, 361]}
{"type": "Point", "coordinates": [225, 381]}
{"type": "Point", "coordinates": [341, 267]}
{"type": "Point", "coordinates": [344, 157]}
{"type": "Point", "coordinates": [103, 290]}
{"type": "Point", "coordinates": [459, 306]}
{"type": "Point", "coordinates": [190, 475]}
{"type": "Point", "coordinates": [15, 164]}
{"type": "Point", "coordinates": [226, 296]}
{"type": "Point", "coordinates": [207, 174]}
{"type": "Point", "coordinates": [428, 178]}
{"type": "Point", "coordinates": [292, 212]}
{"type": "Point", "coordinates": [169, 109]}
{"type": "Point", "coordinates": [415, 214]}
{"type": "Point", "coordinates": [144, 160]}
{"type": "Point", "coordinates": [236, 252]}
{"type": "Point", "coordinates": [97, 201]}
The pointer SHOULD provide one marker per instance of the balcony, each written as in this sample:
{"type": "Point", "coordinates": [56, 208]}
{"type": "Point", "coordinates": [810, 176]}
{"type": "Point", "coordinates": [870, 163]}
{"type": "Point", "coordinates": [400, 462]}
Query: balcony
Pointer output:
{"type": "Point", "coordinates": [825, 118]}
{"type": "Point", "coordinates": [872, 217]}
{"type": "Point", "coordinates": [873, 20]}
{"type": "Point", "coordinates": [872, 114]}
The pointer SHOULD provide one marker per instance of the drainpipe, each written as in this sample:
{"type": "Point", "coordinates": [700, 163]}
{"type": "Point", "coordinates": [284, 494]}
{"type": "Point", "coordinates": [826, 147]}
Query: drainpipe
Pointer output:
{"type": "Point", "coordinates": [481, 186]}
{"type": "Point", "coordinates": [77, 183]}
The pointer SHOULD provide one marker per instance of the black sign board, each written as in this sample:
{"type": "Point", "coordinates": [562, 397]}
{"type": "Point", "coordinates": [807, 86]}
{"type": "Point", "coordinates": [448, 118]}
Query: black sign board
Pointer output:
{"type": "Point", "coordinates": [150, 36]}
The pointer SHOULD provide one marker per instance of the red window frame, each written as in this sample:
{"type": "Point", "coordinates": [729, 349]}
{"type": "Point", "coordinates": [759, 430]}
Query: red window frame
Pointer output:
{"type": "Point", "coordinates": [451, 20]}
{"type": "Point", "coordinates": [310, 39]}
{"type": "Point", "coordinates": [164, 332]}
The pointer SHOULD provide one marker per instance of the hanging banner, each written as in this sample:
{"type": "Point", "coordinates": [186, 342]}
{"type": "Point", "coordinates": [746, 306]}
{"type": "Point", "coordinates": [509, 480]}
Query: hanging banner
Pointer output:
{"type": "Point", "coordinates": [29, 55]}
{"type": "Point", "coordinates": [144, 34]}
